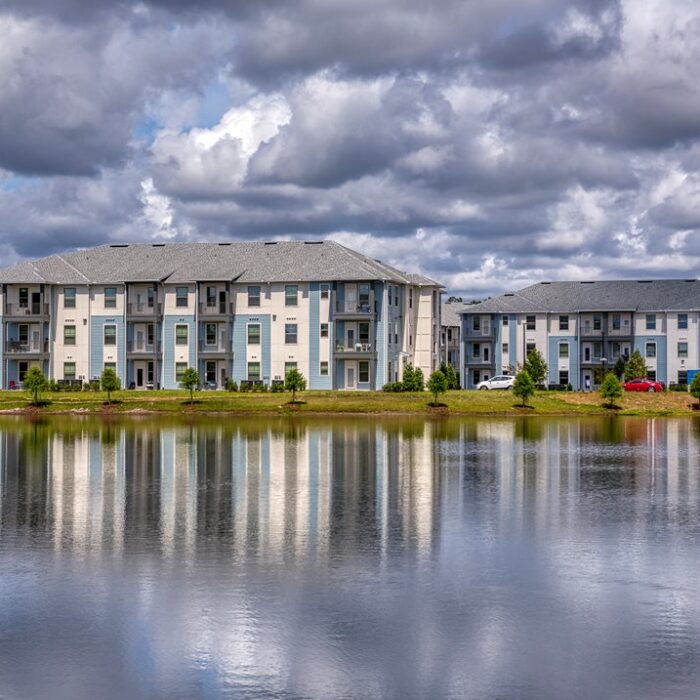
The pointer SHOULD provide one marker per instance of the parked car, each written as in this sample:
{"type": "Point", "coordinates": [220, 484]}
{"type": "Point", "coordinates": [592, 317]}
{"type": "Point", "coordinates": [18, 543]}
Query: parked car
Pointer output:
{"type": "Point", "coordinates": [500, 381]}
{"type": "Point", "coordinates": [643, 385]}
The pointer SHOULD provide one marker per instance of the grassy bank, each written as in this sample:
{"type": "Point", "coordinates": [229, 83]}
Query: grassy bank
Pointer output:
{"type": "Point", "coordinates": [329, 402]}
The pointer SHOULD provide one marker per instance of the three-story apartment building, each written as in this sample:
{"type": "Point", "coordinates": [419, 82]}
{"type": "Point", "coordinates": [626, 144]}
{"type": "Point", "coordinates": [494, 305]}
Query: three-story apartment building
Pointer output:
{"type": "Point", "coordinates": [241, 311]}
{"type": "Point", "coordinates": [583, 327]}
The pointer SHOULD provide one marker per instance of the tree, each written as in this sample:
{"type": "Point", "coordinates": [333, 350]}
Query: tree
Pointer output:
{"type": "Point", "coordinates": [619, 368]}
{"type": "Point", "coordinates": [695, 387]}
{"type": "Point", "coordinates": [535, 366]}
{"type": "Point", "coordinates": [453, 300]}
{"type": "Point", "coordinates": [451, 376]}
{"type": "Point", "coordinates": [412, 378]}
{"type": "Point", "coordinates": [524, 386]}
{"type": "Point", "coordinates": [190, 381]}
{"type": "Point", "coordinates": [437, 384]}
{"type": "Point", "coordinates": [294, 381]}
{"type": "Point", "coordinates": [636, 367]}
{"type": "Point", "coordinates": [109, 381]}
{"type": "Point", "coordinates": [35, 382]}
{"type": "Point", "coordinates": [611, 389]}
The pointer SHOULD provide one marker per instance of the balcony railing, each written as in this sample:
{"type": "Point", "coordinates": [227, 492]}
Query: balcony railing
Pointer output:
{"type": "Point", "coordinates": [136, 309]}
{"type": "Point", "coordinates": [218, 309]}
{"type": "Point", "coordinates": [220, 346]}
{"type": "Point", "coordinates": [31, 310]}
{"type": "Point", "coordinates": [15, 347]}
{"type": "Point", "coordinates": [357, 347]}
{"type": "Point", "coordinates": [133, 346]}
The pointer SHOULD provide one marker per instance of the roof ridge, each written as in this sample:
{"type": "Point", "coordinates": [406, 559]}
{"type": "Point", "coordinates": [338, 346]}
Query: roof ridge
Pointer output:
{"type": "Point", "coordinates": [73, 267]}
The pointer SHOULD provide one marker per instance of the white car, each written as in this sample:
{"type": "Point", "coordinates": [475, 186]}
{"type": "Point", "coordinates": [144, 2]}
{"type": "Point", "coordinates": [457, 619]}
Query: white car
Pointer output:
{"type": "Point", "coordinates": [501, 381]}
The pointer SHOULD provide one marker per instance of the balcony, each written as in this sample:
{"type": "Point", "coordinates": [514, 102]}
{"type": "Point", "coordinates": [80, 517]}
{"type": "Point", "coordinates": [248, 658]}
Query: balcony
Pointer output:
{"type": "Point", "coordinates": [142, 310]}
{"type": "Point", "coordinates": [354, 309]}
{"type": "Point", "coordinates": [219, 309]}
{"type": "Point", "coordinates": [474, 361]}
{"type": "Point", "coordinates": [356, 351]}
{"type": "Point", "coordinates": [33, 310]}
{"type": "Point", "coordinates": [219, 348]}
{"type": "Point", "coordinates": [136, 348]}
{"type": "Point", "coordinates": [16, 347]}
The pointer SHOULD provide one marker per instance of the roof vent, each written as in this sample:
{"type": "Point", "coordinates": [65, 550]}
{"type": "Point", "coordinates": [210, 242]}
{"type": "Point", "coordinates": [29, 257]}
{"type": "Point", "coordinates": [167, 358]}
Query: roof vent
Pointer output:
{"type": "Point", "coordinates": [270, 242]}
{"type": "Point", "coordinates": [545, 283]}
{"type": "Point", "coordinates": [118, 245]}
{"type": "Point", "coordinates": [224, 244]}
{"type": "Point", "coordinates": [644, 281]}
{"type": "Point", "coordinates": [158, 245]}
{"type": "Point", "coordinates": [587, 282]}
{"type": "Point", "coordinates": [313, 242]}
{"type": "Point", "coordinates": [509, 294]}
{"type": "Point", "coordinates": [691, 280]}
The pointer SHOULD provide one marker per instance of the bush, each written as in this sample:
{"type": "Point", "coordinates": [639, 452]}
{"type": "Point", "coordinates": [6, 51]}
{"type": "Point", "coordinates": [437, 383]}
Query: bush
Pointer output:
{"type": "Point", "coordinates": [277, 386]}
{"type": "Point", "coordinates": [678, 387]}
{"type": "Point", "coordinates": [259, 388]}
{"type": "Point", "coordinates": [394, 387]}
{"type": "Point", "coordinates": [245, 385]}
{"type": "Point", "coordinates": [524, 386]}
{"type": "Point", "coordinates": [611, 389]}
{"type": "Point", "coordinates": [437, 384]}
{"type": "Point", "coordinates": [294, 381]}
{"type": "Point", "coordinates": [231, 385]}
{"type": "Point", "coordinates": [110, 382]}
{"type": "Point", "coordinates": [412, 378]}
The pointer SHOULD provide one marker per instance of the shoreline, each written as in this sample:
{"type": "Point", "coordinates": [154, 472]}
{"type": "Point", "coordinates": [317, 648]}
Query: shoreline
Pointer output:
{"type": "Point", "coordinates": [327, 403]}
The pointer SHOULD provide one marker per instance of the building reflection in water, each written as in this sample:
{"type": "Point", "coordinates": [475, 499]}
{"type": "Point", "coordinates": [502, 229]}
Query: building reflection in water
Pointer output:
{"type": "Point", "coordinates": [333, 549]}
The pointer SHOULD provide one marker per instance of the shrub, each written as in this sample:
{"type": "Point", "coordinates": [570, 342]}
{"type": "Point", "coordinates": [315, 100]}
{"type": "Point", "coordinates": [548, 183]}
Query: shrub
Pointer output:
{"type": "Point", "coordinates": [611, 389]}
{"type": "Point", "coordinates": [678, 387]}
{"type": "Point", "coordinates": [695, 387]}
{"type": "Point", "coordinates": [277, 386]}
{"type": "Point", "coordinates": [231, 385]}
{"type": "Point", "coordinates": [437, 384]}
{"type": "Point", "coordinates": [35, 383]}
{"type": "Point", "coordinates": [524, 386]}
{"type": "Point", "coordinates": [636, 368]}
{"type": "Point", "coordinates": [110, 382]}
{"type": "Point", "coordinates": [393, 387]}
{"type": "Point", "coordinates": [412, 379]}
{"type": "Point", "coordinates": [294, 381]}
{"type": "Point", "coordinates": [259, 388]}
{"type": "Point", "coordinates": [190, 381]}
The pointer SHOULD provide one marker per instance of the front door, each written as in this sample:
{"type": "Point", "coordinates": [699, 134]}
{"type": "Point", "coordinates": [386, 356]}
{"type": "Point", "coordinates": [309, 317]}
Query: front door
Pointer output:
{"type": "Point", "coordinates": [35, 341]}
{"type": "Point", "coordinates": [139, 377]}
{"type": "Point", "coordinates": [350, 376]}
{"type": "Point", "coordinates": [351, 298]}
{"type": "Point", "coordinates": [36, 302]}
{"type": "Point", "coordinates": [211, 371]}
{"type": "Point", "coordinates": [351, 339]}
{"type": "Point", "coordinates": [222, 302]}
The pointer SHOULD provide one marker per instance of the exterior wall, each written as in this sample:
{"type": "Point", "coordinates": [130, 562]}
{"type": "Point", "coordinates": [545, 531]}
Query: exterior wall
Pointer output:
{"type": "Point", "coordinates": [677, 335]}
{"type": "Point", "coordinates": [100, 353]}
{"type": "Point", "coordinates": [78, 317]}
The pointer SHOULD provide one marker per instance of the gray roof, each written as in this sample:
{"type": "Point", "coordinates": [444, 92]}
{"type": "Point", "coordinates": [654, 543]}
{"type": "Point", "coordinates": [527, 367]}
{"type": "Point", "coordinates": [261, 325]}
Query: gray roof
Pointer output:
{"type": "Point", "coordinates": [605, 295]}
{"type": "Point", "coordinates": [450, 312]}
{"type": "Point", "coordinates": [282, 261]}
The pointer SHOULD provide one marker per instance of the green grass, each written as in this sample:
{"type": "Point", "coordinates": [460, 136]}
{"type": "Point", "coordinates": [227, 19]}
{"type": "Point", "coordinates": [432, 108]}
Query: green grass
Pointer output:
{"type": "Point", "coordinates": [344, 402]}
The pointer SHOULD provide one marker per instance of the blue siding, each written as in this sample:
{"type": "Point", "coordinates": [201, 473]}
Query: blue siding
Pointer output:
{"type": "Point", "coordinates": [239, 335]}
{"type": "Point", "coordinates": [553, 353]}
{"type": "Point", "coordinates": [169, 323]}
{"type": "Point", "coordinates": [381, 339]}
{"type": "Point", "coordinates": [513, 340]}
{"type": "Point", "coordinates": [640, 342]}
{"type": "Point", "coordinates": [497, 344]}
{"type": "Point", "coordinates": [339, 374]}
{"type": "Point", "coordinates": [316, 381]}
{"type": "Point", "coordinates": [97, 323]}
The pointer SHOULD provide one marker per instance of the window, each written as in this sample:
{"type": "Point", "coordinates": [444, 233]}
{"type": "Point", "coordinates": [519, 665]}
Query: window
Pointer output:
{"type": "Point", "coordinates": [23, 298]}
{"type": "Point", "coordinates": [69, 370]}
{"type": "Point", "coordinates": [150, 333]}
{"type": "Point", "coordinates": [324, 330]}
{"type": "Point", "coordinates": [651, 322]}
{"type": "Point", "coordinates": [110, 335]}
{"type": "Point", "coordinates": [181, 333]}
{"type": "Point", "coordinates": [476, 323]}
{"type": "Point", "coordinates": [363, 297]}
{"type": "Point", "coordinates": [180, 368]}
{"type": "Point", "coordinates": [291, 292]}
{"type": "Point", "coordinates": [563, 377]}
{"type": "Point", "coordinates": [110, 365]}
{"type": "Point", "coordinates": [211, 296]}
{"type": "Point", "coordinates": [682, 322]}
{"type": "Point", "coordinates": [563, 350]}
{"type": "Point", "coordinates": [180, 296]}
{"type": "Point", "coordinates": [563, 323]}
{"type": "Point", "coordinates": [505, 347]}
{"type": "Point", "coordinates": [682, 376]}
{"type": "Point", "coordinates": [597, 350]}
{"type": "Point", "coordinates": [254, 334]}
{"type": "Point", "coordinates": [325, 291]}
{"type": "Point", "coordinates": [324, 369]}
{"type": "Point", "coordinates": [289, 366]}
{"type": "Point", "coordinates": [682, 349]}
{"type": "Point", "coordinates": [476, 351]}
{"type": "Point", "coordinates": [363, 372]}
{"type": "Point", "coordinates": [253, 371]}
{"type": "Point", "coordinates": [616, 322]}
{"type": "Point", "coordinates": [529, 348]}
{"type": "Point", "coordinates": [651, 349]}
{"type": "Point", "coordinates": [410, 298]}
{"type": "Point", "coordinates": [151, 297]}
{"type": "Point", "coordinates": [505, 320]}
{"type": "Point", "coordinates": [597, 323]}
{"type": "Point", "coordinates": [69, 297]}
{"type": "Point", "coordinates": [23, 333]}
{"type": "Point", "coordinates": [254, 296]}
{"type": "Point", "coordinates": [475, 377]}
{"type": "Point", "coordinates": [210, 330]}
{"type": "Point", "coordinates": [530, 323]}
{"type": "Point", "coordinates": [449, 335]}
{"type": "Point", "coordinates": [290, 333]}
{"type": "Point", "coordinates": [364, 332]}
{"type": "Point", "coordinates": [651, 374]}
{"type": "Point", "coordinates": [110, 297]}
{"type": "Point", "coordinates": [69, 335]}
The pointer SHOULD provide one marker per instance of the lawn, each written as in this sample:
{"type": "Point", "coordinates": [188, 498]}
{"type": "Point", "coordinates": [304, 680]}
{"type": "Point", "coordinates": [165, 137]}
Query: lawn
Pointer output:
{"type": "Point", "coordinates": [329, 402]}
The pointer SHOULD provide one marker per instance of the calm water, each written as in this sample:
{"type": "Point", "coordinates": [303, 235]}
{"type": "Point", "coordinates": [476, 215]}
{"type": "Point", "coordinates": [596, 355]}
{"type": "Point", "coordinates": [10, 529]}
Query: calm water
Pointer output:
{"type": "Point", "coordinates": [485, 559]}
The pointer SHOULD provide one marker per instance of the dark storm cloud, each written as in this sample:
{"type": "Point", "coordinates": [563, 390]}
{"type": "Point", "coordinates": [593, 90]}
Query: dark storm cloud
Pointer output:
{"type": "Point", "coordinates": [487, 144]}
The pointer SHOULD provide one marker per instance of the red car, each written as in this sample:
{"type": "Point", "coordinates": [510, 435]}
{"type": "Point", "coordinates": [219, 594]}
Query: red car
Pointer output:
{"type": "Point", "coordinates": [643, 385]}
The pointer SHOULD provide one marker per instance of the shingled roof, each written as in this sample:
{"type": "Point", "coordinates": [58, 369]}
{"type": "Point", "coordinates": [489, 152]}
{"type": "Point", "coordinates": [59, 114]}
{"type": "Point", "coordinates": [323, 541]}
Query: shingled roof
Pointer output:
{"type": "Point", "coordinates": [606, 295]}
{"type": "Point", "coordinates": [280, 261]}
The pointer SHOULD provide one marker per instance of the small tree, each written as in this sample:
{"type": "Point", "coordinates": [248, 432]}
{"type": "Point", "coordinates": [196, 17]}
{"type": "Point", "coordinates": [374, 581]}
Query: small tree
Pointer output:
{"type": "Point", "coordinates": [524, 386]}
{"type": "Point", "coordinates": [611, 389]}
{"type": "Point", "coordinates": [35, 382]}
{"type": "Point", "coordinates": [294, 381]}
{"type": "Point", "coordinates": [451, 376]}
{"type": "Point", "coordinates": [535, 366]}
{"type": "Point", "coordinates": [619, 368]}
{"type": "Point", "coordinates": [412, 378]}
{"type": "Point", "coordinates": [109, 381]}
{"type": "Point", "coordinates": [695, 387]}
{"type": "Point", "coordinates": [190, 381]}
{"type": "Point", "coordinates": [437, 384]}
{"type": "Point", "coordinates": [636, 367]}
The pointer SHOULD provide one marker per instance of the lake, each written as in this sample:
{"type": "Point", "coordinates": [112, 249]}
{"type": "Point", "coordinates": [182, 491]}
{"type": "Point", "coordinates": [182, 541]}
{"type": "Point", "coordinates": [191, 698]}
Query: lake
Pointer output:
{"type": "Point", "coordinates": [493, 559]}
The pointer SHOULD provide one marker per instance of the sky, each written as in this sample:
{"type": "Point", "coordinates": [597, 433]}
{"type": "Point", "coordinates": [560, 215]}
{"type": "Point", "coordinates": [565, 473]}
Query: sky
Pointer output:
{"type": "Point", "coordinates": [489, 145]}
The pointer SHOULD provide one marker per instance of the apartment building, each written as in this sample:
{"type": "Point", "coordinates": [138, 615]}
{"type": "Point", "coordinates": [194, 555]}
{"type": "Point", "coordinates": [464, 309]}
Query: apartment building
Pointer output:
{"type": "Point", "coordinates": [242, 311]}
{"type": "Point", "coordinates": [582, 328]}
{"type": "Point", "coordinates": [450, 333]}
